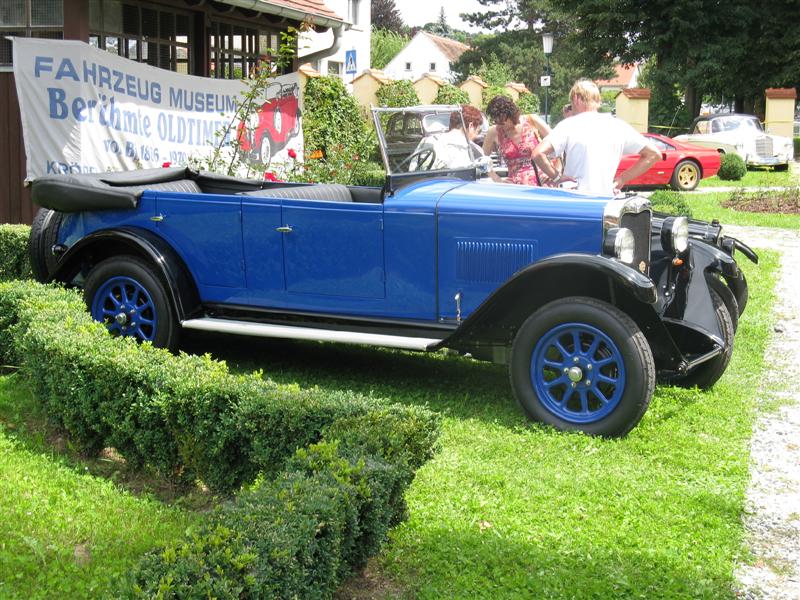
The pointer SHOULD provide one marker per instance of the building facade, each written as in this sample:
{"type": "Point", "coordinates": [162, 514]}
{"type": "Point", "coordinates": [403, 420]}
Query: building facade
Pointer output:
{"type": "Point", "coordinates": [426, 53]}
{"type": "Point", "coordinates": [355, 42]}
{"type": "Point", "coordinates": [223, 39]}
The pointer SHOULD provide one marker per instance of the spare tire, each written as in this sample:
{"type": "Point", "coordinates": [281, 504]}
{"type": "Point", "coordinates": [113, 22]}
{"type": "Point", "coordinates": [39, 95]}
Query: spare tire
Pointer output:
{"type": "Point", "coordinates": [44, 234]}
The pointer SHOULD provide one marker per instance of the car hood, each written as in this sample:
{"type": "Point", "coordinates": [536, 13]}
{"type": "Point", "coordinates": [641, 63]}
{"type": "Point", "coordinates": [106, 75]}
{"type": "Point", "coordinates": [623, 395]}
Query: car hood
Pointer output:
{"type": "Point", "coordinates": [498, 198]}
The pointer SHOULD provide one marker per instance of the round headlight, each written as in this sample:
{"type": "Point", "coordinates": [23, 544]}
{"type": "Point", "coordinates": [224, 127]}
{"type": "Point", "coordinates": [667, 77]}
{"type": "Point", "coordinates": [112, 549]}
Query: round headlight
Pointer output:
{"type": "Point", "coordinates": [620, 242]}
{"type": "Point", "coordinates": [680, 234]}
{"type": "Point", "coordinates": [675, 235]}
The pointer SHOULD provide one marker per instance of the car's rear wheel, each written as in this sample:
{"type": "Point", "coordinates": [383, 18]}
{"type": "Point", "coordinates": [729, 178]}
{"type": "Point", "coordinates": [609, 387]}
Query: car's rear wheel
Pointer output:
{"type": "Point", "coordinates": [686, 176]}
{"type": "Point", "coordinates": [581, 364]}
{"type": "Point", "coordinates": [126, 295]}
{"type": "Point", "coordinates": [43, 236]}
{"type": "Point", "coordinates": [708, 373]}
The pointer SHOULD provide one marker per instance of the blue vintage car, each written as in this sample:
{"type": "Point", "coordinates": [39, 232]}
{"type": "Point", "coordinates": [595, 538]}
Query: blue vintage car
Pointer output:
{"type": "Point", "coordinates": [587, 299]}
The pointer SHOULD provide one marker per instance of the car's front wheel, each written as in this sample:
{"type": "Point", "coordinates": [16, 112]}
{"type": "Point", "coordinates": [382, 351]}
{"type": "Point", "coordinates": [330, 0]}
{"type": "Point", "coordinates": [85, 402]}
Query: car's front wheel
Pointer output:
{"type": "Point", "coordinates": [581, 364]}
{"type": "Point", "coordinates": [126, 295]}
{"type": "Point", "coordinates": [686, 176]}
{"type": "Point", "coordinates": [265, 150]}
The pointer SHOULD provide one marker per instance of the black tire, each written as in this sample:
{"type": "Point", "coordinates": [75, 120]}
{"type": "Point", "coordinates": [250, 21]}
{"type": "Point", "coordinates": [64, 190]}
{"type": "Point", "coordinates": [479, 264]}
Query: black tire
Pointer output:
{"type": "Point", "coordinates": [783, 167]}
{"type": "Point", "coordinates": [145, 298]}
{"type": "Point", "coordinates": [43, 236]}
{"type": "Point", "coordinates": [620, 340]}
{"type": "Point", "coordinates": [686, 176]}
{"type": "Point", "coordinates": [707, 374]}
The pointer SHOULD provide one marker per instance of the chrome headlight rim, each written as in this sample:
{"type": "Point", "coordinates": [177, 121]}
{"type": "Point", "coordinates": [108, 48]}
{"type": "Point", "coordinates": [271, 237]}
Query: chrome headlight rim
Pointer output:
{"type": "Point", "coordinates": [675, 235]}
{"type": "Point", "coordinates": [621, 244]}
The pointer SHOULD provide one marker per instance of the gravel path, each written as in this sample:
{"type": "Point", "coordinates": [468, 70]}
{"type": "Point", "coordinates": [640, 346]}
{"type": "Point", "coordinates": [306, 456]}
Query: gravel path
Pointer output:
{"type": "Point", "coordinates": [772, 510]}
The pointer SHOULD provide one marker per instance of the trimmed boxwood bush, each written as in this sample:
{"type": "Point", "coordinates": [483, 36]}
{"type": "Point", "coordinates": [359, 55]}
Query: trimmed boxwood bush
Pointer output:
{"type": "Point", "coordinates": [333, 467]}
{"type": "Point", "coordinates": [670, 202]}
{"type": "Point", "coordinates": [14, 262]}
{"type": "Point", "coordinates": [732, 167]}
{"type": "Point", "coordinates": [184, 415]}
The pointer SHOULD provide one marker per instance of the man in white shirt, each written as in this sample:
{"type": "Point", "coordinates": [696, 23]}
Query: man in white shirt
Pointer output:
{"type": "Point", "coordinates": [594, 144]}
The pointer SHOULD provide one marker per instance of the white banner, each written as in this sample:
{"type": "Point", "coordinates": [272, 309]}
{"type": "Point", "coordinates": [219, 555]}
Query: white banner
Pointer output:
{"type": "Point", "coordinates": [85, 110]}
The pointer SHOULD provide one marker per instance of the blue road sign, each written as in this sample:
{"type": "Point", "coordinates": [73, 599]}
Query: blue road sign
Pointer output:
{"type": "Point", "coordinates": [350, 62]}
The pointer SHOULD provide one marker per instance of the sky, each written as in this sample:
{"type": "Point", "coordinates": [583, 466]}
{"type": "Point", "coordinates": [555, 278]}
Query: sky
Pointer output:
{"type": "Point", "coordinates": [419, 12]}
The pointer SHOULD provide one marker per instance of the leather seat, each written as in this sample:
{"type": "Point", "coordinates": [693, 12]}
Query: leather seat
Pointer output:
{"type": "Point", "coordinates": [332, 192]}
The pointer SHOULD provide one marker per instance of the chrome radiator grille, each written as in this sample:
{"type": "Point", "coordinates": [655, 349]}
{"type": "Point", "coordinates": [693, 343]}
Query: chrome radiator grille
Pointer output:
{"type": "Point", "coordinates": [639, 224]}
{"type": "Point", "coordinates": [764, 146]}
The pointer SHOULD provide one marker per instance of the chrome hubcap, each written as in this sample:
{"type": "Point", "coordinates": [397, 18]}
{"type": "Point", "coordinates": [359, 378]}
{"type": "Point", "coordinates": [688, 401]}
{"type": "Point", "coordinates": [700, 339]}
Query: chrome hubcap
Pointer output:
{"type": "Point", "coordinates": [575, 374]}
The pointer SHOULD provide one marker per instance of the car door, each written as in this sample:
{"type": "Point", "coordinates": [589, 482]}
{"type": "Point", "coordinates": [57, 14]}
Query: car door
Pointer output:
{"type": "Point", "coordinates": [333, 249]}
{"type": "Point", "coordinates": [206, 231]}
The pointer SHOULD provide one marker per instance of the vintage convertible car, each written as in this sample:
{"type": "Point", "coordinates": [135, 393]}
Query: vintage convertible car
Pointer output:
{"type": "Point", "coordinates": [587, 299]}
{"type": "Point", "coordinates": [743, 134]}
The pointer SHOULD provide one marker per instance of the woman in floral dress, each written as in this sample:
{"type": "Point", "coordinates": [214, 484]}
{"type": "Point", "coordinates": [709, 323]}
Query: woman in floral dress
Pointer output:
{"type": "Point", "coordinates": [514, 136]}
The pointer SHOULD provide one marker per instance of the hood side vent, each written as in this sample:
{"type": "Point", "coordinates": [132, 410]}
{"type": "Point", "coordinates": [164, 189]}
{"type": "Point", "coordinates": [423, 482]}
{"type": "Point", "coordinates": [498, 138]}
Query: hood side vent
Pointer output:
{"type": "Point", "coordinates": [492, 261]}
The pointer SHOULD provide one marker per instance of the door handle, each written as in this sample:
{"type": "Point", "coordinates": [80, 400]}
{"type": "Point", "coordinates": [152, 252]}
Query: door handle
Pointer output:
{"type": "Point", "coordinates": [157, 218]}
{"type": "Point", "coordinates": [284, 229]}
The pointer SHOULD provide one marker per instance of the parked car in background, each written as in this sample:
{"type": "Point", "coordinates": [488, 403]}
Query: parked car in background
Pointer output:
{"type": "Point", "coordinates": [682, 165]}
{"type": "Point", "coordinates": [269, 129]}
{"type": "Point", "coordinates": [587, 298]}
{"type": "Point", "coordinates": [742, 134]}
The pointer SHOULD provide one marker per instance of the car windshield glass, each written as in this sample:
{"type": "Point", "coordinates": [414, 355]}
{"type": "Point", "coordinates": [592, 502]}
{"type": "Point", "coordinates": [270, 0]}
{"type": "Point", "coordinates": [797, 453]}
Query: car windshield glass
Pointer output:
{"type": "Point", "coordinates": [734, 122]}
{"type": "Point", "coordinates": [426, 138]}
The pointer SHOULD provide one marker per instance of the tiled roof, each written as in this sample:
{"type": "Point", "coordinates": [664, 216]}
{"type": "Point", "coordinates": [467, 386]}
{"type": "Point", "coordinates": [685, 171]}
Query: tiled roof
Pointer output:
{"type": "Point", "coordinates": [636, 93]}
{"type": "Point", "coordinates": [309, 71]}
{"type": "Point", "coordinates": [519, 87]}
{"type": "Point", "coordinates": [622, 77]}
{"type": "Point", "coordinates": [477, 80]}
{"type": "Point", "coordinates": [450, 48]}
{"type": "Point", "coordinates": [786, 93]}
{"type": "Point", "coordinates": [376, 73]}
{"type": "Point", "coordinates": [312, 9]}
{"type": "Point", "coordinates": [435, 78]}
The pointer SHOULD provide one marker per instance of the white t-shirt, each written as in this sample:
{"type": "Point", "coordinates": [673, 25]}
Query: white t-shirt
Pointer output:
{"type": "Point", "coordinates": [451, 151]}
{"type": "Point", "coordinates": [594, 144]}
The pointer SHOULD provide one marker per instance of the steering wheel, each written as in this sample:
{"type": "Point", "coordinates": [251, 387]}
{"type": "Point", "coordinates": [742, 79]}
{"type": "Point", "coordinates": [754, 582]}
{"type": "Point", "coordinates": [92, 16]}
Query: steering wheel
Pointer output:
{"type": "Point", "coordinates": [425, 159]}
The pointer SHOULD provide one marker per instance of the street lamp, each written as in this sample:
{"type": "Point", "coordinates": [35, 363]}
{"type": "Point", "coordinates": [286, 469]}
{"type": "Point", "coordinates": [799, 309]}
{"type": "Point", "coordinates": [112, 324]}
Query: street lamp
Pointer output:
{"type": "Point", "coordinates": [547, 46]}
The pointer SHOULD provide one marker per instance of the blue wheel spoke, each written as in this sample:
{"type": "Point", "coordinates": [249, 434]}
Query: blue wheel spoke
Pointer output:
{"type": "Point", "coordinates": [560, 381]}
{"type": "Point", "coordinates": [605, 361]}
{"type": "Point", "coordinates": [144, 321]}
{"type": "Point", "coordinates": [554, 364]}
{"type": "Point", "coordinates": [576, 342]}
{"type": "Point", "coordinates": [561, 349]}
{"type": "Point", "coordinates": [606, 379]}
{"type": "Point", "coordinates": [593, 347]}
{"type": "Point", "coordinates": [599, 395]}
{"type": "Point", "coordinates": [566, 397]}
{"type": "Point", "coordinates": [584, 401]}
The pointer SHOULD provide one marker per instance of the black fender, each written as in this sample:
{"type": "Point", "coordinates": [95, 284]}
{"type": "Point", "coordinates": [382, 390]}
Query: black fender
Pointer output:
{"type": "Point", "coordinates": [716, 262]}
{"type": "Point", "coordinates": [496, 320]}
{"type": "Point", "coordinates": [105, 243]}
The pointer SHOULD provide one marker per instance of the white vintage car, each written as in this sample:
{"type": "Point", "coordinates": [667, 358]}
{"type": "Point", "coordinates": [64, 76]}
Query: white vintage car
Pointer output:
{"type": "Point", "coordinates": [743, 134]}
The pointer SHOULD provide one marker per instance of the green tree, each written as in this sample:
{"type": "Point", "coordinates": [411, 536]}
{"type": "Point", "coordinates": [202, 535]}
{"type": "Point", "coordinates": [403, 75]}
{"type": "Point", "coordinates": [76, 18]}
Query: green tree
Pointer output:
{"type": "Point", "coordinates": [386, 16]}
{"type": "Point", "coordinates": [385, 45]}
{"type": "Point", "coordinates": [450, 94]}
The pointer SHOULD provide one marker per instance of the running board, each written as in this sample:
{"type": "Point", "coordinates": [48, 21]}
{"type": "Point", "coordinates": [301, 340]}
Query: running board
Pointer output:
{"type": "Point", "coordinates": [308, 333]}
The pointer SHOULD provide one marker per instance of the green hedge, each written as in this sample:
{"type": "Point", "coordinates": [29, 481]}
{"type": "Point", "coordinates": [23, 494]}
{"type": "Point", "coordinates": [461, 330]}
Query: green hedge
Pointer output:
{"type": "Point", "coordinates": [732, 167]}
{"type": "Point", "coordinates": [183, 415]}
{"type": "Point", "coordinates": [299, 535]}
{"type": "Point", "coordinates": [14, 262]}
{"type": "Point", "coordinates": [670, 202]}
{"type": "Point", "coordinates": [332, 468]}
{"type": "Point", "coordinates": [797, 148]}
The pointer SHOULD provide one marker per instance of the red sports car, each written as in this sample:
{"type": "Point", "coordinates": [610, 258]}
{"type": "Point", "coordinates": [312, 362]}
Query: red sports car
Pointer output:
{"type": "Point", "coordinates": [268, 130]}
{"type": "Point", "coordinates": [682, 165]}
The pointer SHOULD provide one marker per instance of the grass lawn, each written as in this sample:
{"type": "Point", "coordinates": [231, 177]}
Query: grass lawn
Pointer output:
{"type": "Point", "coordinates": [709, 206]}
{"type": "Point", "coordinates": [755, 178]}
{"type": "Point", "coordinates": [513, 510]}
{"type": "Point", "coordinates": [64, 532]}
